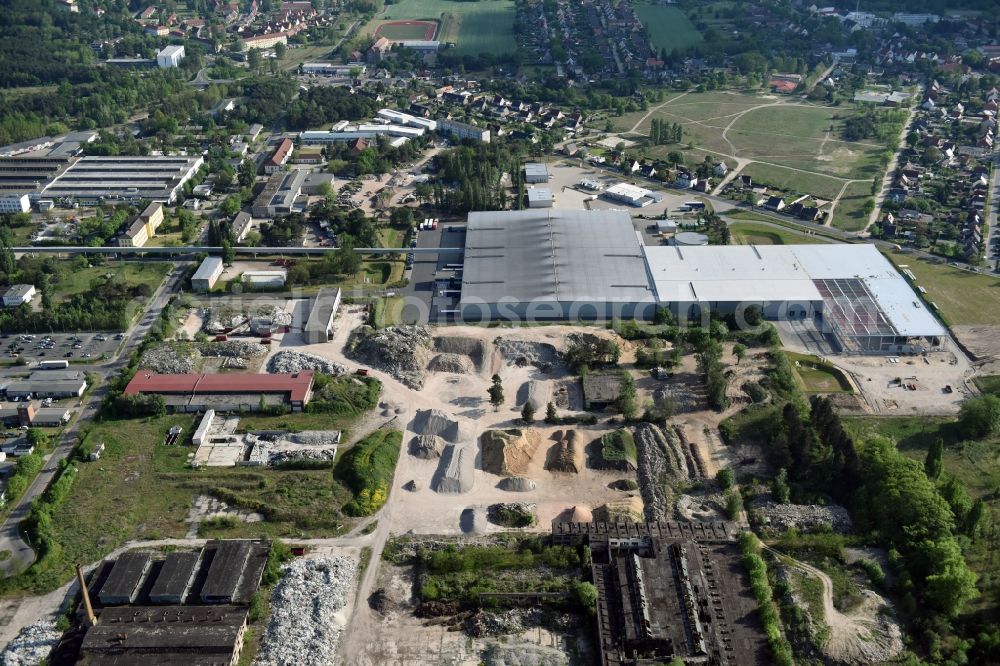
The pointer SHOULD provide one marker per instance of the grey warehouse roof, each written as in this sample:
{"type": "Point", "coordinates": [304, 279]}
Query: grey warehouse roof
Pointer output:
{"type": "Point", "coordinates": [554, 255]}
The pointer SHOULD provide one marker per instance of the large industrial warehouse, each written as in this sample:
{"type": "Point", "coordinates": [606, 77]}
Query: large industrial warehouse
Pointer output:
{"type": "Point", "coordinates": [579, 265]}
{"type": "Point", "coordinates": [93, 180]}
{"type": "Point", "coordinates": [553, 265]}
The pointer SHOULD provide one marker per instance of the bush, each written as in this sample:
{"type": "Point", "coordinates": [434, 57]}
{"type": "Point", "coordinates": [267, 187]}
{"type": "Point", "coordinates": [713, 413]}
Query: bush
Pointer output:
{"type": "Point", "coordinates": [979, 417]}
{"type": "Point", "coordinates": [618, 449]}
{"type": "Point", "coordinates": [734, 504]}
{"type": "Point", "coordinates": [367, 469]}
{"type": "Point", "coordinates": [725, 478]}
{"type": "Point", "coordinates": [757, 570]}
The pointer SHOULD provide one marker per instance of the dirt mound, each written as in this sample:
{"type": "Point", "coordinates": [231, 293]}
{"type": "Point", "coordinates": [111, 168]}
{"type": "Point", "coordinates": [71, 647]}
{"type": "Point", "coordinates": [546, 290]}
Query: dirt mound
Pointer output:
{"type": "Point", "coordinates": [426, 447]}
{"type": "Point", "coordinates": [508, 452]}
{"type": "Point", "coordinates": [474, 349]}
{"type": "Point", "coordinates": [628, 510]}
{"type": "Point", "coordinates": [400, 351]}
{"type": "Point", "coordinates": [537, 394]}
{"type": "Point", "coordinates": [567, 453]}
{"type": "Point", "coordinates": [523, 353]}
{"type": "Point", "coordinates": [453, 363]}
{"type": "Point", "coordinates": [455, 471]}
{"type": "Point", "coordinates": [435, 423]}
{"type": "Point", "coordinates": [517, 484]}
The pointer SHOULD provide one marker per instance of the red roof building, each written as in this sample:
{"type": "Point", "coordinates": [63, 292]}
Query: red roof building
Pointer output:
{"type": "Point", "coordinates": [280, 156]}
{"type": "Point", "coordinates": [224, 392]}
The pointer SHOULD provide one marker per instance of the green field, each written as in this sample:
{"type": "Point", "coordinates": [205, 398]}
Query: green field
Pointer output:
{"type": "Point", "coordinates": [849, 214]}
{"type": "Point", "coordinates": [792, 145]}
{"type": "Point", "coordinates": [819, 186]}
{"type": "Point", "coordinates": [747, 233]}
{"type": "Point", "coordinates": [818, 376]}
{"type": "Point", "coordinates": [988, 383]}
{"type": "Point", "coordinates": [669, 27]}
{"type": "Point", "coordinates": [963, 298]}
{"type": "Point", "coordinates": [474, 27]}
{"type": "Point", "coordinates": [74, 281]}
{"type": "Point", "coordinates": [142, 489]}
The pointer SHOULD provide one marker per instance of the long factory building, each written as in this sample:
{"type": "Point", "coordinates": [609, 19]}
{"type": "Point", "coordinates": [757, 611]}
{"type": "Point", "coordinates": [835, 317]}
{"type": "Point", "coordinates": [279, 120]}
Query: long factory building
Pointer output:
{"type": "Point", "coordinates": [538, 265]}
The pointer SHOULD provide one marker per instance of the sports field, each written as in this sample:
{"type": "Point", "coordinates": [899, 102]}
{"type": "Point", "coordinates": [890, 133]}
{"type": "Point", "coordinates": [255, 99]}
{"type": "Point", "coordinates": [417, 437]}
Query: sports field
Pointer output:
{"type": "Point", "coordinates": [401, 30]}
{"type": "Point", "coordinates": [669, 27]}
{"type": "Point", "coordinates": [486, 26]}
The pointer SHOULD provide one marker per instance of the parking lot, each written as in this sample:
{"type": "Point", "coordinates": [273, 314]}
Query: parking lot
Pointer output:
{"type": "Point", "coordinates": [60, 346]}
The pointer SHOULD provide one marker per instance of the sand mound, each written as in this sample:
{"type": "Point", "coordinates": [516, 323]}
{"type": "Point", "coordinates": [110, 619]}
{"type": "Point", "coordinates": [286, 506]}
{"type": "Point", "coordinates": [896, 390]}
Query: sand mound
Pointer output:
{"type": "Point", "coordinates": [508, 452]}
{"type": "Point", "coordinates": [453, 363]}
{"type": "Point", "coordinates": [517, 484]}
{"type": "Point", "coordinates": [455, 471]}
{"type": "Point", "coordinates": [426, 447]}
{"type": "Point", "coordinates": [436, 423]}
{"type": "Point", "coordinates": [538, 394]}
{"type": "Point", "coordinates": [620, 511]}
{"type": "Point", "coordinates": [567, 453]}
{"type": "Point", "coordinates": [574, 514]}
{"type": "Point", "coordinates": [474, 349]}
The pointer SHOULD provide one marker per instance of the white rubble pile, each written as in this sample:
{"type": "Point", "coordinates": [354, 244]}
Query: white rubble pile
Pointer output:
{"type": "Point", "coordinates": [803, 516]}
{"type": "Point", "coordinates": [276, 314]}
{"type": "Point", "coordinates": [303, 628]}
{"type": "Point", "coordinates": [293, 361]}
{"type": "Point", "coordinates": [279, 457]}
{"type": "Point", "coordinates": [523, 353]}
{"type": "Point", "coordinates": [170, 359]}
{"type": "Point", "coordinates": [401, 351]}
{"type": "Point", "coordinates": [234, 349]}
{"type": "Point", "coordinates": [32, 645]}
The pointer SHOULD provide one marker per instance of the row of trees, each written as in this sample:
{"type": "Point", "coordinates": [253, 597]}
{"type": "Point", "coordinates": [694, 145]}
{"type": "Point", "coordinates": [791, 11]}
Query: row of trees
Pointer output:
{"type": "Point", "coordinates": [661, 132]}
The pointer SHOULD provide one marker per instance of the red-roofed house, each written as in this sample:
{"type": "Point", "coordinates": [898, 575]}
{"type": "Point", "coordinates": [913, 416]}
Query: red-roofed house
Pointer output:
{"type": "Point", "coordinates": [279, 157]}
{"type": "Point", "coordinates": [225, 392]}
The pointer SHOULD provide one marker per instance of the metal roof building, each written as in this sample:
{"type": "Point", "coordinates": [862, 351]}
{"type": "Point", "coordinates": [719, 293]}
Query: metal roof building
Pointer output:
{"type": "Point", "coordinates": [320, 323]}
{"type": "Point", "coordinates": [149, 178]}
{"type": "Point", "coordinates": [852, 289]}
{"type": "Point", "coordinates": [535, 172]}
{"type": "Point", "coordinates": [557, 264]}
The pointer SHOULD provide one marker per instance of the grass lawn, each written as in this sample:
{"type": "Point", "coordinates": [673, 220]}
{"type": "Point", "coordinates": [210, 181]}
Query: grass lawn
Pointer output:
{"type": "Point", "coordinates": [745, 233]}
{"type": "Point", "coordinates": [988, 383]}
{"type": "Point", "coordinates": [71, 281]}
{"type": "Point", "coordinates": [849, 214]}
{"type": "Point", "coordinates": [793, 181]}
{"type": "Point", "coordinates": [669, 27]}
{"type": "Point", "coordinates": [142, 489]}
{"type": "Point", "coordinates": [817, 376]}
{"type": "Point", "coordinates": [474, 27]}
{"type": "Point", "coordinates": [963, 298]}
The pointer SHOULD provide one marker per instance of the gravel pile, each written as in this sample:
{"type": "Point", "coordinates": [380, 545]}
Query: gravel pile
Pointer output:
{"type": "Point", "coordinates": [170, 359]}
{"type": "Point", "coordinates": [517, 484]}
{"type": "Point", "coordinates": [660, 459]}
{"type": "Point", "coordinates": [304, 606]}
{"type": "Point", "coordinates": [293, 361]}
{"type": "Point", "coordinates": [456, 364]}
{"type": "Point", "coordinates": [537, 394]}
{"type": "Point", "coordinates": [434, 422]}
{"type": "Point", "coordinates": [234, 349]}
{"type": "Point", "coordinates": [522, 353]}
{"type": "Point", "coordinates": [567, 454]}
{"type": "Point", "coordinates": [455, 472]}
{"type": "Point", "coordinates": [803, 516]}
{"type": "Point", "coordinates": [315, 437]}
{"type": "Point", "coordinates": [400, 351]}
{"type": "Point", "coordinates": [32, 645]}
{"type": "Point", "coordinates": [508, 452]}
{"type": "Point", "coordinates": [426, 447]}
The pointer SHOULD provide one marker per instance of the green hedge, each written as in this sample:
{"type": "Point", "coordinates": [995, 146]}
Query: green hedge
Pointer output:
{"type": "Point", "coordinates": [761, 587]}
{"type": "Point", "coordinates": [367, 469]}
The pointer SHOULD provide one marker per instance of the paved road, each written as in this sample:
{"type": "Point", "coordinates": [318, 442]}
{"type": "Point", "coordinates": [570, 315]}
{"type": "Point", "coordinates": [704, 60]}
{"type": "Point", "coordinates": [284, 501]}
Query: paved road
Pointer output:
{"type": "Point", "coordinates": [890, 171]}
{"type": "Point", "coordinates": [11, 536]}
